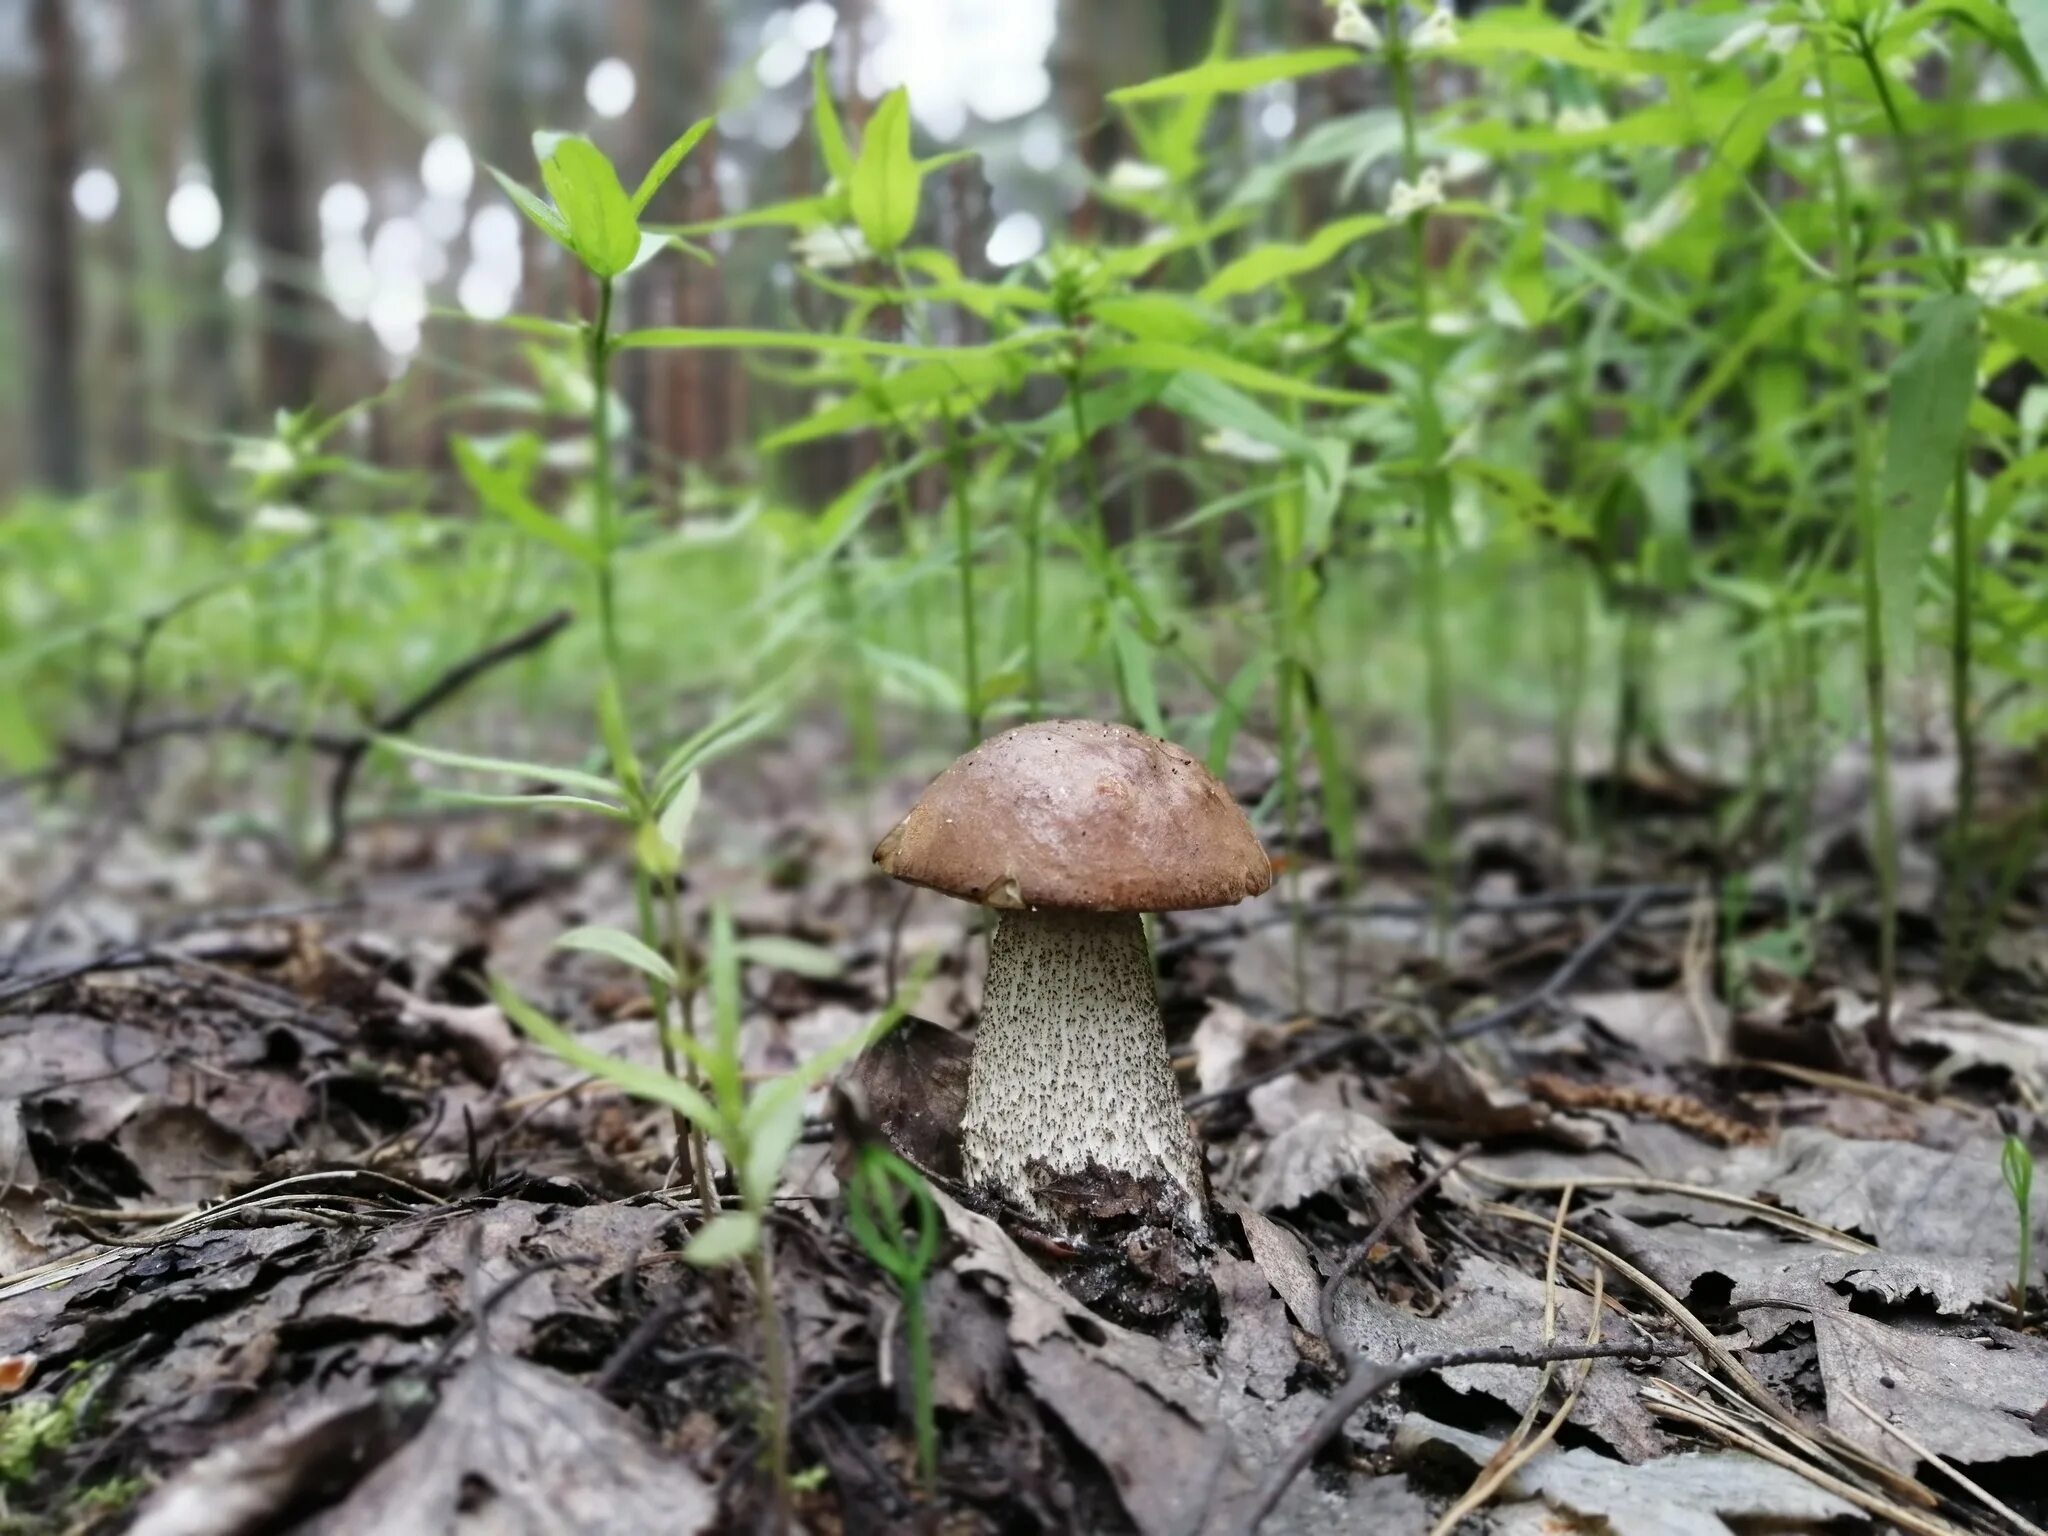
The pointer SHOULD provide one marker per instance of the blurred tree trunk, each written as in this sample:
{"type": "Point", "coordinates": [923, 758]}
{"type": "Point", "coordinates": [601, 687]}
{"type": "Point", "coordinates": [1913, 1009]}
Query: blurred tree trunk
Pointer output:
{"type": "Point", "coordinates": [211, 353]}
{"type": "Point", "coordinates": [701, 390]}
{"type": "Point", "coordinates": [57, 452]}
{"type": "Point", "coordinates": [278, 205]}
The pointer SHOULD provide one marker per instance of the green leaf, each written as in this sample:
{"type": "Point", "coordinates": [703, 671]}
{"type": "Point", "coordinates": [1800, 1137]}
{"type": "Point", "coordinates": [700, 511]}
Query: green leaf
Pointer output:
{"type": "Point", "coordinates": [586, 190]}
{"type": "Point", "coordinates": [727, 1236]}
{"type": "Point", "coordinates": [2024, 333]}
{"type": "Point", "coordinates": [528, 203]}
{"type": "Point", "coordinates": [725, 1010]}
{"type": "Point", "coordinates": [794, 213]}
{"type": "Point", "coordinates": [1134, 670]}
{"type": "Point", "coordinates": [1228, 77]}
{"type": "Point", "coordinates": [618, 740]}
{"type": "Point", "coordinates": [617, 944]}
{"type": "Point", "coordinates": [1216, 404]}
{"type": "Point", "coordinates": [773, 1126]}
{"type": "Point", "coordinates": [649, 1083]}
{"type": "Point", "coordinates": [1932, 387]}
{"type": "Point", "coordinates": [1264, 265]}
{"type": "Point", "coordinates": [826, 125]}
{"type": "Point", "coordinates": [2032, 17]}
{"type": "Point", "coordinates": [886, 181]}
{"type": "Point", "coordinates": [676, 337]}
{"type": "Point", "coordinates": [738, 726]}
{"type": "Point", "coordinates": [1165, 357]}
{"type": "Point", "coordinates": [574, 778]}
{"type": "Point", "coordinates": [665, 167]}
{"type": "Point", "coordinates": [1230, 711]}
{"type": "Point", "coordinates": [530, 802]}
{"type": "Point", "coordinates": [501, 494]}
{"type": "Point", "coordinates": [651, 851]}
{"type": "Point", "coordinates": [674, 822]}
{"type": "Point", "coordinates": [792, 955]}
{"type": "Point", "coordinates": [1340, 807]}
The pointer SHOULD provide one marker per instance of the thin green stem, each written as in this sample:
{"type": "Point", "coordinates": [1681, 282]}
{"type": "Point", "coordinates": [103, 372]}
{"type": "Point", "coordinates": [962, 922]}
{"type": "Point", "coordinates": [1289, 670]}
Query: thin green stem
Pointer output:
{"type": "Point", "coordinates": [660, 997]}
{"type": "Point", "coordinates": [601, 476]}
{"type": "Point", "coordinates": [1429, 444]}
{"type": "Point", "coordinates": [682, 959]}
{"type": "Point", "coordinates": [775, 1372]}
{"type": "Point", "coordinates": [963, 549]}
{"type": "Point", "coordinates": [1084, 461]}
{"type": "Point", "coordinates": [918, 1341]}
{"type": "Point", "coordinates": [1034, 561]}
{"type": "Point", "coordinates": [860, 689]}
{"type": "Point", "coordinates": [1962, 712]}
{"type": "Point", "coordinates": [1886, 851]}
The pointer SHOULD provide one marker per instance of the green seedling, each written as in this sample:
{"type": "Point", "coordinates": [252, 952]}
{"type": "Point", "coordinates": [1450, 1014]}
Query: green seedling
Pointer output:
{"type": "Point", "coordinates": [2016, 1162]}
{"type": "Point", "coordinates": [755, 1129]}
{"type": "Point", "coordinates": [902, 1243]}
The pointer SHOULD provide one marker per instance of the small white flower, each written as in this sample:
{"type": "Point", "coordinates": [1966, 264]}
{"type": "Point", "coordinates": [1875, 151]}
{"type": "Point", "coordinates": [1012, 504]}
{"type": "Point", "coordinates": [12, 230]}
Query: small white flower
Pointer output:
{"type": "Point", "coordinates": [261, 456]}
{"type": "Point", "coordinates": [1439, 29]}
{"type": "Point", "coordinates": [1235, 443]}
{"type": "Point", "coordinates": [1138, 177]}
{"type": "Point", "coordinates": [283, 518]}
{"type": "Point", "coordinates": [1671, 211]}
{"type": "Point", "coordinates": [831, 246]}
{"type": "Point", "coordinates": [1427, 192]}
{"type": "Point", "coordinates": [1353, 27]}
{"type": "Point", "coordinates": [1998, 278]}
{"type": "Point", "coordinates": [1578, 119]}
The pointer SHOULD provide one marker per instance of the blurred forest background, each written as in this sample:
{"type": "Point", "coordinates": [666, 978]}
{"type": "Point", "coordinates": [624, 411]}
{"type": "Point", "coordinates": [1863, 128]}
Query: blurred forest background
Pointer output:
{"type": "Point", "coordinates": [211, 207]}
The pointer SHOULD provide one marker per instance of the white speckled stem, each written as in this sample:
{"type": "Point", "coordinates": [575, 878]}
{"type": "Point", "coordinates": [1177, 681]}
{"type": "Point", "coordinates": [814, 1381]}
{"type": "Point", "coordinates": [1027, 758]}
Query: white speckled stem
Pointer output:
{"type": "Point", "coordinates": [1070, 1065]}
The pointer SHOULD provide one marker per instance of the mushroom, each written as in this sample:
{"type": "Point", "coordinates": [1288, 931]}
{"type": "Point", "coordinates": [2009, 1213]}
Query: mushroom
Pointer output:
{"type": "Point", "coordinates": [1072, 829]}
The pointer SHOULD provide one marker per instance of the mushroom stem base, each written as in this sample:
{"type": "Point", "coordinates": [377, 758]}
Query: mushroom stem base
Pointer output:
{"type": "Point", "coordinates": [1070, 1072]}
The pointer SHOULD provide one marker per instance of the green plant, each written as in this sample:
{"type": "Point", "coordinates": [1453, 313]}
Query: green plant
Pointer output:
{"type": "Point", "coordinates": [35, 1427]}
{"type": "Point", "coordinates": [2016, 1162]}
{"type": "Point", "coordinates": [903, 1245]}
{"type": "Point", "coordinates": [754, 1129]}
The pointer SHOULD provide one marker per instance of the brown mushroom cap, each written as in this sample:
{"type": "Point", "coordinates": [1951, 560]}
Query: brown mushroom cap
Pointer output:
{"type": "Point", "coordinates": [1083, 816]}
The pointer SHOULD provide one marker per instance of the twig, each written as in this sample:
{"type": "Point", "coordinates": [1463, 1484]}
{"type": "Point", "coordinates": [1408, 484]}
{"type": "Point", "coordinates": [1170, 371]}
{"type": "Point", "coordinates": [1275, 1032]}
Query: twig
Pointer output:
{"type": "Point", "coordinates": [408, 714]}
{"type": "Point", "coordinates": [1470, 906]}
{"type": "Point", "coordinates": [1559, 979]}
{"type": "Point", "coordinates": [1326, 1304]}
{"type": "Point", "coordinates": [1633, 902]}
{"type": "Point", "coordinates": [1367, 1384]}
{"type": "Point", "coordinates": [1671, 1403]}
{"type": "Point", "coordinates": [1934, 1458]}
{"type": "Point", "coordinates": [348, 749]}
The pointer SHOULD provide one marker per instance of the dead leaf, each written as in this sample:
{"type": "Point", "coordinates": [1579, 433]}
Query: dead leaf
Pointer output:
{"type": "Point", "coordinates": [1284, 1260]}
{"type": "Point", "coordinates": [252, 1485]}
{"type": "Point", "coordinates": [1487, 1304]}
{"type": "Point", "coordinates": [1345, 1153]}
{"type": "Point", "coordinates": [514, 1449]}
{"type": "Point", "coordinates": [1905, 1198]}
{"type": "Point", "coordinates": [1687, 1494]}
{"type": "Point", "coordinates": [914, 1081]}
{"type": "Point", "coordinates": [1660, 1023]}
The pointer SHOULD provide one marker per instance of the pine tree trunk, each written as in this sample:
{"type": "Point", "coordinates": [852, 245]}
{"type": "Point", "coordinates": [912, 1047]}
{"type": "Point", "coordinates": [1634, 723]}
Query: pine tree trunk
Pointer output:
{"type": "Point", "coordinates": [58, 451]}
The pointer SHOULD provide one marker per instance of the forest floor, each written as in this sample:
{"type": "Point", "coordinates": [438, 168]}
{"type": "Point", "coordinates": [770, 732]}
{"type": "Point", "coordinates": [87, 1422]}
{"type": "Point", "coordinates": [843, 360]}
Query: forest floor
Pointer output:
{"type": "Point", "coordinates": [301, 1236]}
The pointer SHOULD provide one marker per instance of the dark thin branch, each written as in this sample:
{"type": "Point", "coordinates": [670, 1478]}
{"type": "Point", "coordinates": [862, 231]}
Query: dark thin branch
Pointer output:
{"type": "Point", "coordinates": [1326, 1305]}
{"type": "Point", "coordinates": [1470, 906]}
{"type": "Point", "coordinates": [408, 714]}
{"type": "Point", "coordinates": [1636, 899]}
{"type": "Point", "coordinates": [1365, 1384]}
{"type": "Point", "coordinates": [348, 749]}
